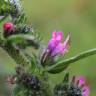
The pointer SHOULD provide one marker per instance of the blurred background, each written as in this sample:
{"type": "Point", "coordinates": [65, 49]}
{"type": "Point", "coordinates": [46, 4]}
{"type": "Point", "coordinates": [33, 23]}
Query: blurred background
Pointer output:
{"type": "Point", "coordinates": [75, 16]}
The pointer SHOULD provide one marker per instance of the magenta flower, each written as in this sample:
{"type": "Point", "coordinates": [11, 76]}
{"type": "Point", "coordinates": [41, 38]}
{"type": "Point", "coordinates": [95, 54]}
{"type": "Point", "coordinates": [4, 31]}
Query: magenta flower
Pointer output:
{"type": "Point", "coordinates": [80, 84]}
{"type": "Point", "coordinates": [55, 45]}
{"type": "Point", "coordinates": [76, 87]}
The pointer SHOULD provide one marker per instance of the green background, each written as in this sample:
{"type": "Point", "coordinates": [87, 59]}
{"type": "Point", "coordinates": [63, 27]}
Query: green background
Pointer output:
{"type": "Point", "coordinates": [75, 16]}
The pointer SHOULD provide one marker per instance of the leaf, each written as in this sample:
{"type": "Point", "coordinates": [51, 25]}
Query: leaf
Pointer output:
{"type": "Point", "coordinates": [33, 59]}
{"type": "Point", "coordinates": [62, 65]}
{"type": "Point", "coordinates": [21, 19]}
{"type": "Point", "coordinates": [66, 78]}
{"type": "Point", "coordinates": [22, 39]}
{"type": "Point", "coordinates": [4, 7]}
{"type": "Point", "coordinates": [19, 90]}
{"type": "Point", "coordinates": [2, 18]}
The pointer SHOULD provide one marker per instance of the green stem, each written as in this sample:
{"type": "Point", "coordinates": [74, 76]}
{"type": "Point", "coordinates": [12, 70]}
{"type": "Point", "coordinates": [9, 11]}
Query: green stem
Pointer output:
{"type": "Point", "coordinates": [64, 63]}
{"type": "Point", "coordinates": [29, 39]}
{"type": "Point", "coordinates": [16, 54]}
{"type": "Point", "coordinates": [20, 36]}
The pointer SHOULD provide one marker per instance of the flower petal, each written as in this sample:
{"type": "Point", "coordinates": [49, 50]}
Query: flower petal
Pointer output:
{"type": "Point", "coordinates": [57, 36]}
{"type": "Point", "coordinates": [56, 39]}
{"type": "Point", "coordinates": [52, 44]}
{"type": "Point", "coordinates": [81, 81]}
{"type": "Point", "coordinates": [86, 91]}
{"type": "Point", "coordinates": [61, 48]}
{"type": "Point", "coordinates": [66, 45]}
{"type": "Point", "coordinates": [57, 50]}
{"type": "Point", "coordinates": [54, 34]}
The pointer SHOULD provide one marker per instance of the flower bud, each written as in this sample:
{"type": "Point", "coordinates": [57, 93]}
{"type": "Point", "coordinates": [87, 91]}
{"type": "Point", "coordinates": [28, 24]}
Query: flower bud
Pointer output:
{"type": "Point", "coordinates": [76, 87]}
{"type": "Point", "coordinates": [8, 26]}
{"type": "Point", "coordinates": [8, 29]}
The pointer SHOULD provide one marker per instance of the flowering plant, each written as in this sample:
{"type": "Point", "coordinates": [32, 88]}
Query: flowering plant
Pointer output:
{"type": "Point", "coordinates": [31, 77]}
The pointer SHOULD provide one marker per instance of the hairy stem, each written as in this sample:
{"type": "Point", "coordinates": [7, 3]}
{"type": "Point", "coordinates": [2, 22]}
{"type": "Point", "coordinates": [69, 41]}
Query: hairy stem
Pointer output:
{"type": "Point", "coordinates": [16, 54]}
{"type": "Point", "coordinates": [63, 63]}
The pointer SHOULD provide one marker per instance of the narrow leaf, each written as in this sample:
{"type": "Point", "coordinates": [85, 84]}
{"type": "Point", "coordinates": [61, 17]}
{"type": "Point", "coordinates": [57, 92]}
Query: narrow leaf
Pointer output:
{"type": "Point", "coordinates": [61, 66]}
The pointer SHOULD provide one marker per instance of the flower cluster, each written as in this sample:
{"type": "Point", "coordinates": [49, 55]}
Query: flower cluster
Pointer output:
{"type": "Point", "coordinates": [30, 81]}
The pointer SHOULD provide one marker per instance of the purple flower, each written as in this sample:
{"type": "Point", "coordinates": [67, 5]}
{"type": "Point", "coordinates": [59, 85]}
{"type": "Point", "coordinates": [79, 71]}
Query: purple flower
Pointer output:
{"type": "Point", "coordinates": [76, 87]}
{"type": "Point", "coordinates": [80, 84]}
{"type": "Point", "coordinates": [56, 39]}
{"type": "Point", "coordinates": [55, 45]}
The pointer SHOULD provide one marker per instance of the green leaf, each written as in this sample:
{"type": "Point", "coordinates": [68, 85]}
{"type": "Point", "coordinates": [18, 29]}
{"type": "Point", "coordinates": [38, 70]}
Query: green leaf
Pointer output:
{"type": "Point", "coordinates": [21, 19]}
{"type": "Point", "coordinates": [33, 64]}
{"type": "Point", "coordinates": [19, 90]}
{"type": "Point", "coordinates": [2, 18]}
{"type": "Point", "coordinates": [62, 65]}
{"type": "Point", "coordinates": [16, 54]}
{"type": "Point", "coordinates": [66, 78]}
{"type": "Point", "coordinates": [23, 40]}
{"type": "Point", "coordinates": [5, 7]}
